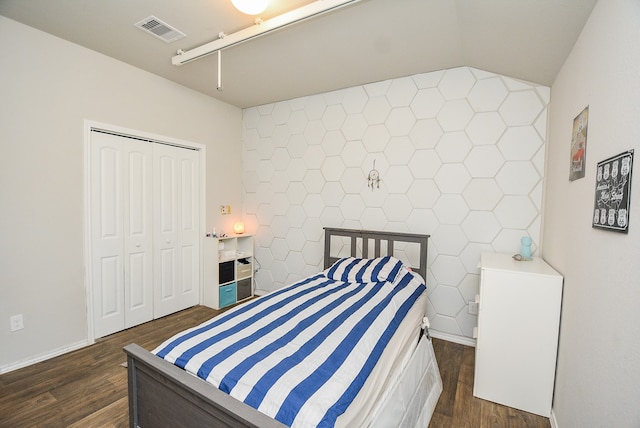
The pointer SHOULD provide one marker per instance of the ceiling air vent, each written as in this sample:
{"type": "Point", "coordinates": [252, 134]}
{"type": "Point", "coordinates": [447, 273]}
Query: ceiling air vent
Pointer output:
{"type": "Point", "coordinates": [161, 30]}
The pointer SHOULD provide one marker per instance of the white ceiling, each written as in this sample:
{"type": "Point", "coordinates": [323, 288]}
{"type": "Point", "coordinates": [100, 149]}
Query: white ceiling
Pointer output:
{"type": "Point", "coordinates": [368, 41]}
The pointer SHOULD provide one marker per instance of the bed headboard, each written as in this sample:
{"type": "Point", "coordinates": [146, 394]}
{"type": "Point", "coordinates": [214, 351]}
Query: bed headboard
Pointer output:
{"type": "Point", "coordinates": [361, 240]}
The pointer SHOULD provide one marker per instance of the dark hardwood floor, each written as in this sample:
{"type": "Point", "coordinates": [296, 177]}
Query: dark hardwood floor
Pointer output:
{"type": "Point", "coordinates": [457, 407]}
{"type": "Point", "coordinates": [88, 387]}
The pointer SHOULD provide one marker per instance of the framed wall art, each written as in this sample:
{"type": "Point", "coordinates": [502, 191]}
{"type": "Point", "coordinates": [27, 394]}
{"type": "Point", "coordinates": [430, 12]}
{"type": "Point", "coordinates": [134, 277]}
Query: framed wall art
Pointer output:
{"type": "Point", "coordinates": [579, 145]}
{"type": "Point", "coordinates": [613, 193]}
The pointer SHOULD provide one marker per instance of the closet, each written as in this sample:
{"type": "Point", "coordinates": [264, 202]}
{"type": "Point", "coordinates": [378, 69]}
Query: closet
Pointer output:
{"type": "Point", "coordinates": [144, 226]}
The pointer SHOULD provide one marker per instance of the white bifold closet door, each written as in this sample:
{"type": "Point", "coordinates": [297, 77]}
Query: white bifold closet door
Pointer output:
{"type": "Point", "coordinates": [176, 249]}
{"type": "Point", "coordinates": [121, 232]}
{"type": "Point", "coordinates": [144, 231]}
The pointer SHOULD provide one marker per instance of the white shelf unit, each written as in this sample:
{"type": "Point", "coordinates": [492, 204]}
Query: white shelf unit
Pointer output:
{"type": "Point", "coordinates": [228, 272]}
{"type": "Point", "coordinates": [517, 334]}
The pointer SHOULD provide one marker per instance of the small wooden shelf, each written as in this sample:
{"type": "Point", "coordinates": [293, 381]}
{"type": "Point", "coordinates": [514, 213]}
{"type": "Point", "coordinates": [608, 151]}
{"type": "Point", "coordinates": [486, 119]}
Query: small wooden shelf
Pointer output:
{"type": "Point", "coordinates": [229, 268]}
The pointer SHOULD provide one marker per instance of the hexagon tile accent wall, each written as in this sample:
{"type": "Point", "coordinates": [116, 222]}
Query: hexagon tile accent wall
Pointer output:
{"type": "Point", "coordinates": [461, 157]}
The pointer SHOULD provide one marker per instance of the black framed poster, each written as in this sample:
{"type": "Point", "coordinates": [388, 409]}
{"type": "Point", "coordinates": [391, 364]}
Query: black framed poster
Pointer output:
{"type": "Point", "coordinates": [613, 193]}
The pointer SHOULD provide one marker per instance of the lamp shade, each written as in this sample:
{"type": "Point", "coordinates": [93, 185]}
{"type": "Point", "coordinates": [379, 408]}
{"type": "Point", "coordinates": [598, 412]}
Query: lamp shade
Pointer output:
{"type": "Point", "coordinates": [250, 7]}
{"type": "Point", "coordinates": [238, 228]}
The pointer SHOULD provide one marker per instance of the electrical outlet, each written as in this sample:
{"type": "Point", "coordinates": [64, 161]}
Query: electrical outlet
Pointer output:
{"type": "Point", "coordinates": [17, 322]}
{"type": "Point", "coordinates": [473, 307]}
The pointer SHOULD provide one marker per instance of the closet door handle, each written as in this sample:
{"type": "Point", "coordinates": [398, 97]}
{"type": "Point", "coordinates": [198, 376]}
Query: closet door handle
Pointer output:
{"type": "Point", "coordinates": [138, 245]}
{"type": "Point", "coordinates": [168, 241]}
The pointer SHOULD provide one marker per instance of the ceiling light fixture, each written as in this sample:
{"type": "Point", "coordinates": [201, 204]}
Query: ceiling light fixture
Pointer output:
{"type": "Point", "coordinates": [251, 7]}
{"type": "Point", "coordinates": [260, 28]}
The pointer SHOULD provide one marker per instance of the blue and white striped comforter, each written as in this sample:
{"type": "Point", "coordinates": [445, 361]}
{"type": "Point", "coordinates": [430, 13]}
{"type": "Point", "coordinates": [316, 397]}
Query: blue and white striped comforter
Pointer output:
{"type": "Point", "coordinates": [301, 354]}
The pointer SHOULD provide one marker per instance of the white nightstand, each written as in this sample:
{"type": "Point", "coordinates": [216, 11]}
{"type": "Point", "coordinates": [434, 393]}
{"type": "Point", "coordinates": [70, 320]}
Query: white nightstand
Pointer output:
{"type": "Point", "coordinates": [518, 325]}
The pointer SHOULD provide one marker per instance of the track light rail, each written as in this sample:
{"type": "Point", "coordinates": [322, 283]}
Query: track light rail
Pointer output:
{"type": "Point", "coordinates": [261, 28]}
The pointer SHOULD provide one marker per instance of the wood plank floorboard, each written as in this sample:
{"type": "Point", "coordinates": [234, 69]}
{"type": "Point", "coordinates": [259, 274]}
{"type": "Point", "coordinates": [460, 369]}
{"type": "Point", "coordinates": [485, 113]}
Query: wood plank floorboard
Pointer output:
{"type": "Point", "coordinates": [458, 408]}
{"type": "Point", "coordinates": [88, 387]}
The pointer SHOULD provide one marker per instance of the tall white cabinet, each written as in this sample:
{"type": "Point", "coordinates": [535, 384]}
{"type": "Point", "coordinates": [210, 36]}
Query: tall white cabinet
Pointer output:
{"type": "Point", "coordinates": [517, 334]}
{"type": "Point", "coordinates": [144, 226]}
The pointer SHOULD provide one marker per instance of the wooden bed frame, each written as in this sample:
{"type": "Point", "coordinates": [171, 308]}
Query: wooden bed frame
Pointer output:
{"type": "Point", "coordinates": [163, 395]}
{"type": "Point", "coordinates": [360, 240]}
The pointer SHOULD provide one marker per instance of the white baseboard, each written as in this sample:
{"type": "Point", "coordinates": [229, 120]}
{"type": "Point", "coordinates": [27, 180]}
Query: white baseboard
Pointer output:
{"type": "Point", "coordinates": [467, 341]}
{"type": "Point", "coordinates": [553, 420]}
{"type": "Point", "coordinates": [43, 357]}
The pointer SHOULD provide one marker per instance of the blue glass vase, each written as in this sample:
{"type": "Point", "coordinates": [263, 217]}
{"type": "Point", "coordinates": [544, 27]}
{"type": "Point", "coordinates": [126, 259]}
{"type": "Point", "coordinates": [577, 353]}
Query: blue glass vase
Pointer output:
{"type": "Point", "coordinates": [525, 247]}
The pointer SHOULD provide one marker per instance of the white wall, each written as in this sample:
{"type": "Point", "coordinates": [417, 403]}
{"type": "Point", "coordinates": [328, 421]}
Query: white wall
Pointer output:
{"type": "Point", "coordinates": [461, 157]}
{"type": "Point", "coordinates": [48, 88]}
{"type": "Point", "coordinates": [598, 373]}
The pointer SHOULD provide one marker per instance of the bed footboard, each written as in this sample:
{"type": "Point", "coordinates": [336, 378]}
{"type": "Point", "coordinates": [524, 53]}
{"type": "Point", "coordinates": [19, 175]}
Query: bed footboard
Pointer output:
{"type": "Point", "coordinates": [163, 395]}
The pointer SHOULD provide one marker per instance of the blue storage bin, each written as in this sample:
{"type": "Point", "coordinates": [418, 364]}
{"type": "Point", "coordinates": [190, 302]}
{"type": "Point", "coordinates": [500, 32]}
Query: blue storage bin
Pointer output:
{"type": "Point", "coordinates": [227, 294]}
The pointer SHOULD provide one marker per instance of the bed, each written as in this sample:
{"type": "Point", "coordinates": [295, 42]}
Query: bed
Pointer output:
{"type": "Point", "coordinates": [345, 347]}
